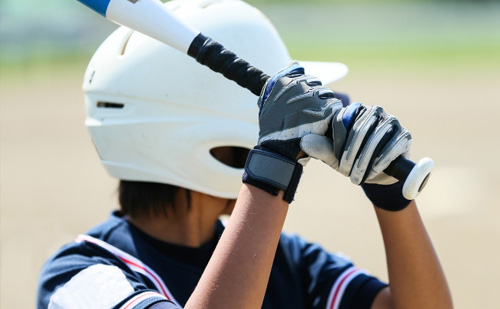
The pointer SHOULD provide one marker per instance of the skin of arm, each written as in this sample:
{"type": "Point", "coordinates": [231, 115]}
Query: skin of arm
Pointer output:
{"type": "Point", "coordinates": [415, 274]}
{"type": "Point", "coordinates": [238, 272]}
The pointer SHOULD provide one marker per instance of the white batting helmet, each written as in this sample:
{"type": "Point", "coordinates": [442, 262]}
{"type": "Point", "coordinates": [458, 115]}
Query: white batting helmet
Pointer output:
{"type": "Point", "coordinates": [154, 113]}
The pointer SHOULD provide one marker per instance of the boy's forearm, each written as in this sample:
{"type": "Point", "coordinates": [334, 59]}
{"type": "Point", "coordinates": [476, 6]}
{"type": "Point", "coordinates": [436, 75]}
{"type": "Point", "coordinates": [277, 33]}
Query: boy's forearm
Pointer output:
{"type": "Point", "coordinates": [238, 272]}
{"type": "Point", "coordinates": [415, 274]}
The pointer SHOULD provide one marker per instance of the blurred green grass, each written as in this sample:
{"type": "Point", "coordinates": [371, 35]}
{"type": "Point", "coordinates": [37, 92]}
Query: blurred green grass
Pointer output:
{"type": "Point", "coordinates": [451, 36]}
{"type": "Point", "coordinates": [392, 36]}
{"type": "Point", "coordinates": [416, 56]}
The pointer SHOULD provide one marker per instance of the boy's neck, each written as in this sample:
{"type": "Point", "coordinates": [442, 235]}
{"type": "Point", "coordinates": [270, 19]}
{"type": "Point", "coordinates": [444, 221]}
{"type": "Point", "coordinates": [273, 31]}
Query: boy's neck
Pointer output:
{"type": "Point", "coordinates": [187, 226]}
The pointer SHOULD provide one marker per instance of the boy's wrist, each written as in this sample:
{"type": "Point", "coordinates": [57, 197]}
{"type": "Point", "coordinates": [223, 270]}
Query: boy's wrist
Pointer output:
{"type": "Point", "coordinates": [387, 197]}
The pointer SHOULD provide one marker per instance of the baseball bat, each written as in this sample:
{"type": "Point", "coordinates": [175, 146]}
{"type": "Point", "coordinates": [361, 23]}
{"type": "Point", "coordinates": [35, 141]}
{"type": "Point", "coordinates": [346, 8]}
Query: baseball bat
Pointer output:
{"type": "Point", "coordinates": [153, 19]}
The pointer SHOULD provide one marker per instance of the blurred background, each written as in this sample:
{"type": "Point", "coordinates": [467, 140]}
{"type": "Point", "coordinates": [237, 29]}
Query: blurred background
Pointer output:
{"type": "Point", "coordinates": [434, 64]}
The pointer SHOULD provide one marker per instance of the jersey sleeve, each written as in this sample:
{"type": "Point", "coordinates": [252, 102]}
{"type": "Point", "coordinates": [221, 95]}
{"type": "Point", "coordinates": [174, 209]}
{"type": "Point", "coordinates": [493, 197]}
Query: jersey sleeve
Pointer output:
{"type": "Point", "coordinates": [330, 280]}
{"type": "Point", "coordinates": [81, 276]}
{"type": "Point", "coordinates": [146, 300]}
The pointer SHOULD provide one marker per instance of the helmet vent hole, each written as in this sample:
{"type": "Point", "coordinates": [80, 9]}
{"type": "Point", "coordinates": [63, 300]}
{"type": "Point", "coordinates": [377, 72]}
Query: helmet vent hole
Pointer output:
{"type": "Point", "coordinates": [230, 155]}
{"type": "Point", "coordinates": [110, 105]}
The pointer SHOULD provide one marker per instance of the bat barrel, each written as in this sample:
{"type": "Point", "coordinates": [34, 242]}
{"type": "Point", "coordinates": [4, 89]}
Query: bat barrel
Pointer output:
{"type": "Point", "coordinates": [98, 6]}
{"type": "Point", "coordinates": [150, 17]}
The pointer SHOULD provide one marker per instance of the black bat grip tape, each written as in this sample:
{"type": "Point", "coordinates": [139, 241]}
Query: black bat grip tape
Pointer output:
{"type": "Point", "coordinates": [212, 54]}
{"type": "Point", "coordinates": [400, 168]}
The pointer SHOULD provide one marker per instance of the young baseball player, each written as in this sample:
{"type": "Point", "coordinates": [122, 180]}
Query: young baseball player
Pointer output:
{"type": "Point", "coordinates": [181, 138]}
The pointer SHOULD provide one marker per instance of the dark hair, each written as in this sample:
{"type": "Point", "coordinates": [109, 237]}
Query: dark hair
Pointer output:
{"type": "Point", "coordinates": [147, 198]}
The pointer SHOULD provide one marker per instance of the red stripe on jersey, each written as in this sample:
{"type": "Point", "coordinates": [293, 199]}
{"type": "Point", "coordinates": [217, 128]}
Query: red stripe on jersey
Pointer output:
{"type": "Point", "coordinates": [153, 276]}
{"type": "Point", "coordinates": [336, 293]}
{"type": "Point", "coordinates": [133, 263]}
{"type": "Point", "coordinates": [139, 298]}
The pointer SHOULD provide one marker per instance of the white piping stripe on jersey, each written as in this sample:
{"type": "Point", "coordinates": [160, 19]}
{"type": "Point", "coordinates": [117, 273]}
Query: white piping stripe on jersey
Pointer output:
{"type": "Point", "coordinates": [133, 263]}
{"type": "Point", "coordinates": [340, 286]}
{"type": "Point", "coordinates": [136, 300]}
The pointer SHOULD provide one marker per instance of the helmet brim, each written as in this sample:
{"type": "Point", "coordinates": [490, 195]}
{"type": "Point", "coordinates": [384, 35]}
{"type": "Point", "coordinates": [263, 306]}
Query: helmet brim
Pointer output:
{"type": "Point", "coordinates": [327, 72]}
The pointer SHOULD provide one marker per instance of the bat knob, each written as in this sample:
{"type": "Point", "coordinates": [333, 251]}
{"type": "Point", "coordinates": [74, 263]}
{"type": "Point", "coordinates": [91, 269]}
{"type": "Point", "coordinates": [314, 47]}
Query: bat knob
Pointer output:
{"type": "Point", "coordinates": [417, 178]}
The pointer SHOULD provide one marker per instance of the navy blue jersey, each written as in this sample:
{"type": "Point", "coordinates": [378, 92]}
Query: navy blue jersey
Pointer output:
{"type": "Point", "coordinates": [115, 265]}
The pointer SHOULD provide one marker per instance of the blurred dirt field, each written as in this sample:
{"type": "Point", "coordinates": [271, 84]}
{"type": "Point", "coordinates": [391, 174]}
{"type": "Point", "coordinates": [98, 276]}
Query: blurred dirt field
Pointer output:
{"type": "Point", "coordinates": [53, 186]}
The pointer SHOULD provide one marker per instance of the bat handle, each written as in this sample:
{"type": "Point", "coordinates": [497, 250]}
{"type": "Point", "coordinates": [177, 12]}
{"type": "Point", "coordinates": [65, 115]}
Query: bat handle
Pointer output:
{"type": "Point", "coordinates": [414, 175]}
{"type": "Point", "coordinates": [212, 54]}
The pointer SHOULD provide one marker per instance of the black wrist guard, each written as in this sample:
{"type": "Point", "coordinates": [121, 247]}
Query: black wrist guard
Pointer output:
{"type": "Point", "coordinates": [386, 197]}
{"type": "Point", "coordinates": [272, 172]}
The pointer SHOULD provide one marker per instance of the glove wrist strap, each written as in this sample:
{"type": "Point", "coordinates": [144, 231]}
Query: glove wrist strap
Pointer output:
{"type": "Point", "coordinates": [388, 197]}
{"type": "Point", "coordinates": [272, 172]}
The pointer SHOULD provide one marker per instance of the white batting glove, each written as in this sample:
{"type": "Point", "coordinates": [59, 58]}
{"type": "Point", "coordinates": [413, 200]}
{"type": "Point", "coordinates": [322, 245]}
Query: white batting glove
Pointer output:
{"type": "Point", "coordinates": [363, 142]}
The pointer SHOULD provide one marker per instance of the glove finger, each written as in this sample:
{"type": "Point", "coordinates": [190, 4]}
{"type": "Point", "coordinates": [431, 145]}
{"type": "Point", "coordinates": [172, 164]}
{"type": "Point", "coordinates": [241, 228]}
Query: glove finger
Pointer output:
{"type": "Point", "coordinates": [381, 136]}
{"type": "Point", "coordinates": [399, 146]}
{"type": "Point", "coordinates": [269, 86]}
{"type": "Point", "coordinates": [362, 128]}
{"type": "Point", "coordinates": [341, 125]}
{"type": "Point", "coordinates": [319, 147]}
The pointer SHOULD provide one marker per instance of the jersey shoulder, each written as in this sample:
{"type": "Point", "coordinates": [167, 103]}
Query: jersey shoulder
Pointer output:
{"type": "Point", "coordinates": [85, 273]}
{"type": "Point", "coordinates": [327, 279]}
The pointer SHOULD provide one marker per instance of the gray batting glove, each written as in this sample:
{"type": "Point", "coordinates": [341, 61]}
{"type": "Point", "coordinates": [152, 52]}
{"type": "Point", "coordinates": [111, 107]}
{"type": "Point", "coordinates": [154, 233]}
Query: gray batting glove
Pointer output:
{"type": "Point", "coordinates": [363, 142]}
{"type": "Point", "coordinates": [293, 105]}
